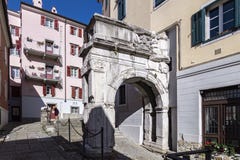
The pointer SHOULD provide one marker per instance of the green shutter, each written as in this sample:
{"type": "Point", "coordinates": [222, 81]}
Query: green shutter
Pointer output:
{"type": "Point", "coordinates": [120, 9]}
{"type": "Point", "coordinates": [202, 21]}
{"type": "Point", "coordinates": [123, 8]}
{"type": "Point", "coordinates": [198, 27]}
{"type": "Point", "coordinates": [237, 13]}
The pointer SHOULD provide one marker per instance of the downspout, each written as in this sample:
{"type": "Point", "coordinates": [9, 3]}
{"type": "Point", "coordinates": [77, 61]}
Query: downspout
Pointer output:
{"type": "Point", "coordinates": [65, 61]}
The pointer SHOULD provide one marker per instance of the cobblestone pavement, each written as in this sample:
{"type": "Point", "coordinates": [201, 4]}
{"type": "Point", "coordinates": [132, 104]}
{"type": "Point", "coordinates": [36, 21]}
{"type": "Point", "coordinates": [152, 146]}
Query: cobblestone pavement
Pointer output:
{"type": "Point", "coordinates": [29, 142]}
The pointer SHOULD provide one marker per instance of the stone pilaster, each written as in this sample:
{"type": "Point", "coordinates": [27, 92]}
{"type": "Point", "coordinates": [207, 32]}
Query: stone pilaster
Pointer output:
{"type": "Point", "coordinates": [162, 128]}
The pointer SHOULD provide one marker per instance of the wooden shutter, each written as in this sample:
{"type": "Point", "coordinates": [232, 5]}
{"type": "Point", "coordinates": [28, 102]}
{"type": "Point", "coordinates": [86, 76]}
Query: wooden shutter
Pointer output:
{"type": "Point", "coordinates": [18, 44]}
{"type": "Point", "coordinates": [119, 9]}
{"type": "Point", "coordinates": [80, 93]}
{"type": "Point", "coordinates": [68, 71]}
{"type": "Point", "coordinates": [56, 24]}
{"type": "Point", "coordinates": [42, 20]}
{"type": "Point", "coordinates": [79, 48]}
{"type": "Point", "coordinates": [237, 13]}
{"type": "Point", "coordinates": [17, 31]}
{"type": "Point", "coordinates": [71, 30]}
{"type": "Point", "coordinates": [198, 27]}
{"type": "Point", "coordinates": [53, 91]}
{"type": "Point", "coordinates": [79, 32]}
{"type": "Point", "coordinates": [72, 49]}
{"type": "Point", "coordinates": [79, 73]}
{"type": "Point", "coordinates": [44, 90]}
{"type": "Point", "coordinates": [73, 92]}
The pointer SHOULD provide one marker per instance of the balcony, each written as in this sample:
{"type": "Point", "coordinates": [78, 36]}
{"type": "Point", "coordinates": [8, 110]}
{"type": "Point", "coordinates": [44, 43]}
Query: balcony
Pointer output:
{"type": "Point", "coordinates": [40, 49]}
{"type": "Point", "coordinates": [40, 74]}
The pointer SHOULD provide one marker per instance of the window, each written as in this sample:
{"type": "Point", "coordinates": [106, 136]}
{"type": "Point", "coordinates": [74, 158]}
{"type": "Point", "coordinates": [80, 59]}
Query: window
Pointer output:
{"type": "Point", "coordinates": [76, 31]}
{"type": "Point", "coordinates": [73, 72]}
{"type": "Point", "coordinates": [158, 2]}
{"type": "Point", "coordinates": [121, 9]}
{"type": "Point", "coordinates": [215, 20]}
{"type": "Point", "coordinates": [15, 72]}
{"type": "Point", "coordinates": [49, 72]}
{"type": "Point", "coordinates": [14, 30]}
{"type": "Point", "coordinates": [16, 91]}
{"type": "Point", "coordinates": [14, 51]}
{"type": "Point", "coordinates": [75, 110]}
{"type": "Point", "coordinates": [221, 18]}
{"type": "Point", "coordinates": [73, 30]}
{"type": "Point", "coordinates": [48, 90]}
{"type": "Point", "coordinates": [76, 92]}
{"type": "Point", "coordinates": [122, 95]}
{"type": "Point", "coordinates": [75, 49]}
{"type": "Point", "coordinates": [49, 22]}
{"type": "Point", "coordinates": [49, 46]}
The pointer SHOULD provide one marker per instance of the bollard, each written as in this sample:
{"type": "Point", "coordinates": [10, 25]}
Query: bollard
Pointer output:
{"type": "Point", "coordinates": [69, 131]}
{"type": "Point", "coordinates": [102, 142]}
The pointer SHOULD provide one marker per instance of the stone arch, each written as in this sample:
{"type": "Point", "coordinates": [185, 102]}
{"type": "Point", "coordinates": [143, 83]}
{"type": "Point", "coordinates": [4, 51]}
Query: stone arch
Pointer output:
{"type": "Point", "coordinates": [159, 90]}
{"type": "Point", "coordinates": [115, 53]}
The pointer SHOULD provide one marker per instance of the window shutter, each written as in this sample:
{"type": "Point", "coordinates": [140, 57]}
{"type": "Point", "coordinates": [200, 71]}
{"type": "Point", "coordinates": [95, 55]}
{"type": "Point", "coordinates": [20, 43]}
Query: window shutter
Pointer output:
{"type": "Point", "coordinates": [72, 49]}
{"type": "Point", "coordinates": [44, 90]}
{"type": "Point", "coordinates": [42, 20]}
{"type": "Point", "coordinates": [79, 73]}
{"type": "Point", "coordinates": [80, 93]}
{"type": "Point", "coordinates": [17, 31]}
{"type": "Point", "coordinates": [237, 13]}
{"type": "Point", "coordinates": [79, 32]}
{"type": "Point", "coordinates": [73, 92]}
{"type": "Point", "coordinates": [53, 91]}
{"type": "Point", "coordinates": [123, 8]}
{"type": "Point", "coordinates": [71, 30]}
{"type": "Point", "coordinates": [120, 9]}
{"type": "Point", "coordinates": [68, 71]}
{"type": "Point", "coordinates": [79, 48]}
{"type": "Point", "coordinates": [198, 27]}
{"type": "Point", "coordinates": [56, 24]}
{"type": "Point", "coordinates": [18, 44]}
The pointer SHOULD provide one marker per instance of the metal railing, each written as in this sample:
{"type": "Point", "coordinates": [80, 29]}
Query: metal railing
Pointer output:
{"type": "Point", "coordinates": [186, 155]}
{"type": "Point", "coordinates": [86, 134]}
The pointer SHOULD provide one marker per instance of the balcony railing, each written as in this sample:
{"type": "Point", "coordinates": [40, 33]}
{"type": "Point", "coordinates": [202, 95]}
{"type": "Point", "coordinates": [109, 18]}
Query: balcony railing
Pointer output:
{"type": "Point", "coordinates": [37, 48]}
{"type": "Point", "coordinates": [40, 74]}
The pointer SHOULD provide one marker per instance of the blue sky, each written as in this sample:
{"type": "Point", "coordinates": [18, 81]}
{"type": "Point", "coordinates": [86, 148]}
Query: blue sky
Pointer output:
{"type": "Point", "coordinates": [80, 10]}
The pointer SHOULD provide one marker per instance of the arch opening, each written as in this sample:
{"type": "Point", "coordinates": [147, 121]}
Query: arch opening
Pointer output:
{"type": "Point", "coordinates": [135, 110]}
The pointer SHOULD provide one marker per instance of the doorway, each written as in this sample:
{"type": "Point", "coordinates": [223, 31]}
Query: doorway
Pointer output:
{"type": "Point", "coordinates": [15, 113]}
{"type": "Point", "coordinates": [221, 116]}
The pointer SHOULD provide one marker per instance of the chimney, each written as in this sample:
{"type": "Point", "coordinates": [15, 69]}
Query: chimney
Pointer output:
{"type": "Point", "coordinates": [54, 10]}
{"type": "Point", "coordinates": [37, 3]}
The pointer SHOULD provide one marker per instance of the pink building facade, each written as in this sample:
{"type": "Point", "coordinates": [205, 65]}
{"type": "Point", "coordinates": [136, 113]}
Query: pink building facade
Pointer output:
{"type": "Point", "coordinates": [49, 63]}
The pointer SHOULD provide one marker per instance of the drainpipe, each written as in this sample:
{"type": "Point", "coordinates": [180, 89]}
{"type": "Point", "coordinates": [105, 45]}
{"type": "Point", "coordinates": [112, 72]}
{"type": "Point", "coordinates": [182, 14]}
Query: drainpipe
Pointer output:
{"type": "Point", "coordinates": [65, 61]}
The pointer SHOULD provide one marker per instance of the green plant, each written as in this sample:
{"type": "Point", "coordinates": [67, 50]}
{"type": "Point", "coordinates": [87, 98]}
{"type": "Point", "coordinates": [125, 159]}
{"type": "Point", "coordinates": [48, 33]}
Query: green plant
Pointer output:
{"type": "Point", "coordinates": [220, 148]}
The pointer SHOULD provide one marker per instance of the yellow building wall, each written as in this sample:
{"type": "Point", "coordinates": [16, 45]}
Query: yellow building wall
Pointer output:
{"type": "Point", "coordinates": [137, 12]}
{"type": "Point", "coordinates": [143, 14]}
{"type": "Point", "coordinates": [175, 10]}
